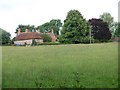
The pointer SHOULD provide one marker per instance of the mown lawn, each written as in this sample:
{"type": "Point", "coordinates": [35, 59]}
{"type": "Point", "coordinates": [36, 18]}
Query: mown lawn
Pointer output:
{"type": "Point", "coordinates": [60, 66]}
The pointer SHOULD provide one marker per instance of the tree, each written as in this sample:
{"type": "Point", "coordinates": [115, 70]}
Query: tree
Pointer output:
{"type": "Point", "coordinates": [4, 37]}
{"type": "Point", "coordinates": [13, 39]}
{"type": "Point", "coordinates": [106, 17]}
{"type": "Point", "coordinates": [1, 36]}
{"type": "Point", "coordinates": [44, 27]}
{"type": "Point", "coordinates": [75, 29]}
{"type": "Point", "coordinates": [53, 24]}
{"type": "Point", "coordinates": [115, 27]}
{"type": "Point", "coordinates": [24, 27]}
{"type": "Point", "coordinates": [117, 32]}
{"type": "Point", "coordinates": [100, 30]}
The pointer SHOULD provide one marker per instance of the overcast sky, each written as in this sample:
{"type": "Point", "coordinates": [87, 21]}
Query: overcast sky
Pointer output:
{"type": "Point", "coordinates": [37, 12]}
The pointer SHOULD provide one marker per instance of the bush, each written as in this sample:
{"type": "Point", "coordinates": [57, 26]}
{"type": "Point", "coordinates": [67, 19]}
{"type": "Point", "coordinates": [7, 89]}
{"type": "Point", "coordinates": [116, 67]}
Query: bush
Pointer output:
{"type": "Point", "coordinates": [46, 38]}
{"type": "Point", "coordinates": [33, 42]}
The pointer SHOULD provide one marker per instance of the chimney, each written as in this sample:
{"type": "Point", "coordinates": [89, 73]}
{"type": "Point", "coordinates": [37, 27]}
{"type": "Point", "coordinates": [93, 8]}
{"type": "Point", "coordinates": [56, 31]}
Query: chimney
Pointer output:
{"type": "Point", "coordinates": [26, 30]}
{"type": "Point", "coordinates": [18, 33]}
{"type": "Point", "coordinates": [52, 31]}
{"type": "Point", "coordinates": [38, 31]}
{"type": "Point", "coordinates": [60, 30]}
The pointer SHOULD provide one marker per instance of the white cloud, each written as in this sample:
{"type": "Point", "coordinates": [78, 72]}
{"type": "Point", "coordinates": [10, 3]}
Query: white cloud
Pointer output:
{"type": "Point", "coordinates": [36, 12]}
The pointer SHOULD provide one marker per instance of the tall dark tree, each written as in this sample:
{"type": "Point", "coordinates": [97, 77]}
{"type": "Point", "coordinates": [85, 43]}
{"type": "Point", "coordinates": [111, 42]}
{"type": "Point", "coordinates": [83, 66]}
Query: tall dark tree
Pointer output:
{"type": "Point", "coordinates": [4, 37]}
{"type": "Point", "coordinates": [100, 29]}
{"type": "Point", "coordinates": [75, 29]}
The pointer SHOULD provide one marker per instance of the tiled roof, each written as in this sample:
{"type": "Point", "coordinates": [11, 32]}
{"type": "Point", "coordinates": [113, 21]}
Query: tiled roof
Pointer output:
{"type": "Point", "coordinates": [28, 35]}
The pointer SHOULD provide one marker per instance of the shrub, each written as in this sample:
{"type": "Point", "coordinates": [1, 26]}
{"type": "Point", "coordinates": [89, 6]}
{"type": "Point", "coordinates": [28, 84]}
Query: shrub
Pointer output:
{"type": "Point", "coordinates": [34, 42]}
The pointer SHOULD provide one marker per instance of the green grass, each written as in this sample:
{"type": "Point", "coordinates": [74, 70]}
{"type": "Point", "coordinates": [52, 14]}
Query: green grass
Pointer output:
{"type": "Point", "coordinates": [0, 67]}
{"type": "Point", "coordinates": [80, 65]}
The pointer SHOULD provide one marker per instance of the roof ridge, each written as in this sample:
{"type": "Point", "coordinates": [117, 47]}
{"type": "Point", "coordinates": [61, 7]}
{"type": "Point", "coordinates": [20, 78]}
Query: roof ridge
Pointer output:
{"type": "Point", "coordinates": [30, 35]}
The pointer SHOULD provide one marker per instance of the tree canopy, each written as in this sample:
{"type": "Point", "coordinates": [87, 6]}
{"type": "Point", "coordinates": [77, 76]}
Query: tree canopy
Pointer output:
{"type": "Point", "coordinates": [24, 27]}
{"type": "Point", "coordinates": [106, 17]}
{"type": "Point", "coordinates": [117, 32]}
{"type": "Point", "coordinates": [100, 30]}
{"type": "Point", "coordinates": [4, 37]}
{"type": "Point", "coordinates": [53, 24]}
{"type": "Point", "coordinates": [75, 29]}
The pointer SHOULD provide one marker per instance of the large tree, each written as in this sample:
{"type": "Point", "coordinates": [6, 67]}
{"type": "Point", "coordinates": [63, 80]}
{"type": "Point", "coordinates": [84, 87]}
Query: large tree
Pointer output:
{"type": "Point", "coordinates": [100, 30]}
{"type": "Point", "coordinates": [106, 17]}
{"type": "Point", "coordinates": [4, 37]}
{"type": "Point", "coordinates": [44, 27]}
{"type": "Point", "coordinates": [53, 24]}
{"type": "Point", "coordinates": [75, 29]}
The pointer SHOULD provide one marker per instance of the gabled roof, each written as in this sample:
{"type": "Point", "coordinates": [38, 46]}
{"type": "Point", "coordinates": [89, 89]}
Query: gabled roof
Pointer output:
{"type": "Point", "coordinates": [28, 35]}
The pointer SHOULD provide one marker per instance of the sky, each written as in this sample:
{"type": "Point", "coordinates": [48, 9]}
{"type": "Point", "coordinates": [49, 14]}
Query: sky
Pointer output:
{"type": "Point", "coordinates": [37, 12]}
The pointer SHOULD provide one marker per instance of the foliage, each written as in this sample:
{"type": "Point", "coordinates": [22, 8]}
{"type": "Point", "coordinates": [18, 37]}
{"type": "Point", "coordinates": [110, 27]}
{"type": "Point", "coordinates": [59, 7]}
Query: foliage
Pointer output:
{"type": "Point", "coordinates": [4, 37]}
{"type": "Point", "coordinates": [115, 27]}
{"type": "Point", "coordinates": [100, 30]}
{"type": "Point", "coordinates": [94, 66]}
{"type": "Point", "coordinates": [24, 27]}
{"type": "Point", "coordinates": [54, 25]}
{"type": "Point", "coordinates": [12, 41]}
{"type": "Point", "coordinates": [44, 27]}
{"type": "Point", "coordinates": [75, 28]}
{"type": "Point", "coordinates": [1, 36]}
{"type": "Point", "coordinates": [106, 17]}
{"type": "Point", "coordinates": [117, 32]}
{"type": "Point", "coordinates": [46, 38]}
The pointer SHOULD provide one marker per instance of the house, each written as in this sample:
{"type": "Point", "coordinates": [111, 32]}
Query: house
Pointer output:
{"type": "Point", "coordinates": [26, 37]}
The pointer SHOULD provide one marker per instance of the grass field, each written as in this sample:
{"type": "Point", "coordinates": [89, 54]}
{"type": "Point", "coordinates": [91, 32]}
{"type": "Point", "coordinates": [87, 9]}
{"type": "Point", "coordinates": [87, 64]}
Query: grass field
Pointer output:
{"type": "Point", "coordinates": [0, 67]}
{"type": "Point", "coordinates": [61, 66]}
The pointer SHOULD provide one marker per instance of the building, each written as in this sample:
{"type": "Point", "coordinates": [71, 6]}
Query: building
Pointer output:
{"type": "Point", "coordinates": [26, 37]}
{"type": "Point", "coordinates": [23, 38]}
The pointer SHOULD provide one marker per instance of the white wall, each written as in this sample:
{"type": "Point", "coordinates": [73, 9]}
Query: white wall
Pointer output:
{"type": "Point", "coordinates": [22, 42]}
